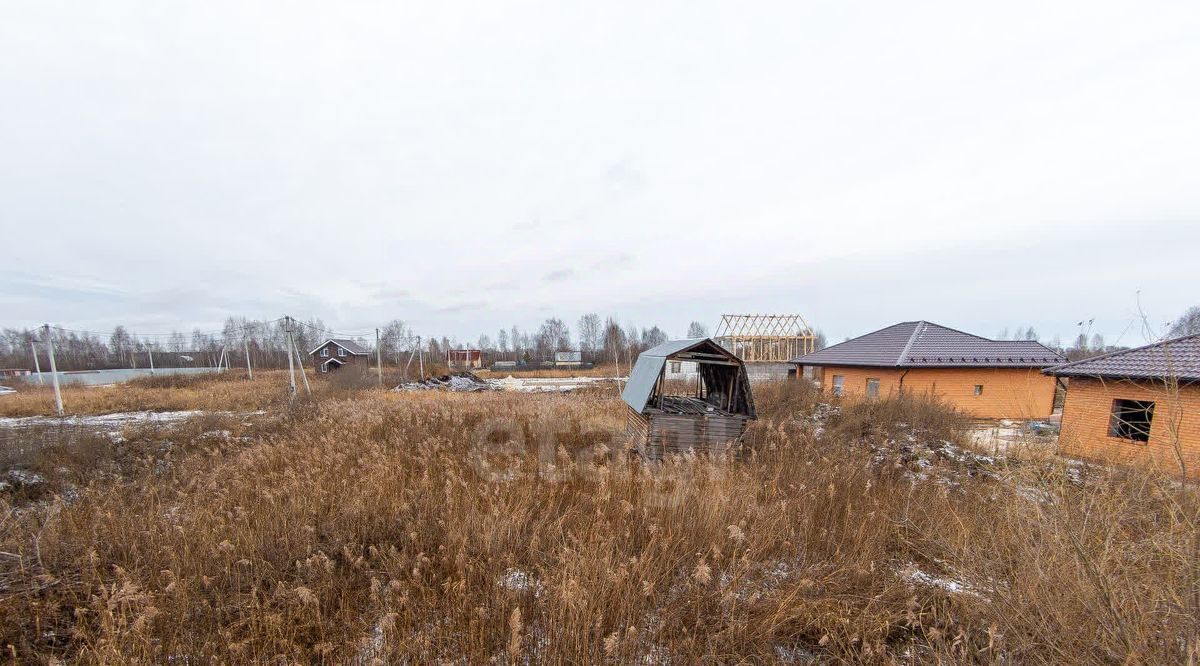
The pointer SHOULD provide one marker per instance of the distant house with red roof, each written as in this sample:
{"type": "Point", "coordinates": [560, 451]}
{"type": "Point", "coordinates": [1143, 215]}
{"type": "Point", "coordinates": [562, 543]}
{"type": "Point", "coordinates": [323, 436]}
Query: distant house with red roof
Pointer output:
{"type": "Point", "coordinates": [988, 379]}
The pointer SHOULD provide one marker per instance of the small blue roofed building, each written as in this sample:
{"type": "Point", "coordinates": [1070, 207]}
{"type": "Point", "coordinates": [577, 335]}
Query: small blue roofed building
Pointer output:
{"type": "Point", "coordinates": [707, 413]}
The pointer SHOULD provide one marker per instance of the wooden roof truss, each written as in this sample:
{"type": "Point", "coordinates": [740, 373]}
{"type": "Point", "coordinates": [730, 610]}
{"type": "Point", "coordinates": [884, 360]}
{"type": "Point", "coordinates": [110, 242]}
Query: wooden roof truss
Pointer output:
{"type": "Point", "coordinates": [759, 338]}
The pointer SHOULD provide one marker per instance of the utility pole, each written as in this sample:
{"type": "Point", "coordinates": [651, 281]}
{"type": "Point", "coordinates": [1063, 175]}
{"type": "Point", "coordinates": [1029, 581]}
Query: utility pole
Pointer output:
{"type": "Point", "coordinates": [54, 372]}
{"type": "Point", "coordinates": [421, 357]}
{"type": "Point", "coordinates": [379, 357]}
{"type": "Point", "coordinates": [150, 353]}
{"type": "Point", "coordinates": [246, 346]}
{"type": "Point", "coordinates": [303, 374]}
{"type": "Point", "coordinates": [412, 352]}
{"type": "Point", "coordinates": [36, 366]}
{"type": "Point", "coordinates": [287, 326]}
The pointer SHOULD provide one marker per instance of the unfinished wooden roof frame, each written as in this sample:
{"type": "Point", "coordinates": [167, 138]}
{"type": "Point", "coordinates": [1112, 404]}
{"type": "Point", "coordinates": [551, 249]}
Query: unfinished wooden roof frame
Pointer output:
{"type": "Point", "coordinates": [759, 338]}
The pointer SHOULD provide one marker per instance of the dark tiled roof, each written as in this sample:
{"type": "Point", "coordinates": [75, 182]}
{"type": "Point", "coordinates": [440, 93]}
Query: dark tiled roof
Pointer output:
{"type": "Point", "coordinates": [920, 344]}
{"type": "Point", "coordinates": [1178, 358]}
{"type": "Point", "coordinates": [349, 345]}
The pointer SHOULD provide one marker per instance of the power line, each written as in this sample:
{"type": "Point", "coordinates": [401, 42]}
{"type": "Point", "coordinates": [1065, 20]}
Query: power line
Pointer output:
{"type": "Point", "coordinates": [255, 326]}
{"type": "Point", "coordinates": [236, 329]}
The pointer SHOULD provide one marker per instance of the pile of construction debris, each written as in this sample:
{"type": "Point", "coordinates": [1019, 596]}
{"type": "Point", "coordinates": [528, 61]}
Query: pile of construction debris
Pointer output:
{"type": "Point", "coordinates": [549, 384]}
{"type": "Point", "coordinates": [917, 451]}
{"type": "Point", "coordinates": [469, 382]}
{"type": "Point", "coordinates": [463, 382]}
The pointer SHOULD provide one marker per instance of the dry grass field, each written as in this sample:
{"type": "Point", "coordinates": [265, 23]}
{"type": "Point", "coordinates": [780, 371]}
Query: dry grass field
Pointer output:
{"type": "Point", "coordinates": [227, 391]}
{"type": "Point", "coordinates": [380, 527]}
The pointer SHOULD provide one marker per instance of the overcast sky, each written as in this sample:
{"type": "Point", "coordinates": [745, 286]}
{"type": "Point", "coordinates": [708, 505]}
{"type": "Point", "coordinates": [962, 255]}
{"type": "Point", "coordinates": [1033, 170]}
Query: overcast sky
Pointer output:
{"type": "Point", "coordinates": [465, 167]}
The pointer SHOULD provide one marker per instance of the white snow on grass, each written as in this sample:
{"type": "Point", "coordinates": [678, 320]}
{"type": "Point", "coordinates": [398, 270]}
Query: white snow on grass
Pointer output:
{"type": "Point", "coordinates": [517, 580]}
{"type": "Point", "coordinates": [101, 421]}
{"type": "Point", "coordinates": [547, 384]}
{"type": "Point", "coordinates": [113, 423]}
{"type": "Point", "coordinates": [914, 575]}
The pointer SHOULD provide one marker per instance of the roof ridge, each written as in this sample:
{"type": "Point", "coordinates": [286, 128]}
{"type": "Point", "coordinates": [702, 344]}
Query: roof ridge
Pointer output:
{"type": "Point", "coordinates": [972, 335]}
{"type": "Point", "coordinates": [843, 342]}
{"type": "Point", "coordinates": [920, 326]}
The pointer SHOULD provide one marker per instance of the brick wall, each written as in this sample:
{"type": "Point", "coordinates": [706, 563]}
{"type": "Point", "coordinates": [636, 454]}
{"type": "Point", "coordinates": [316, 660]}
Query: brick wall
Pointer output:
{"type": "Point", "coordinates": [1087, 416]}
{"type": "Point", "coordinates": [1008, 393]}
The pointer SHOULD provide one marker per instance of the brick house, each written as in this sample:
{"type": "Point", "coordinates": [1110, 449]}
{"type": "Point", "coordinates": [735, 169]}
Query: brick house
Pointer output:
{"type": "Point", "coordinates": [988, 379]}
{"type": "Point", "coordinates": [338, 353]}
{"type": "Point", "coordinates": [464, 358]}
{"type": "Point", "coordinates": [1137, 406]}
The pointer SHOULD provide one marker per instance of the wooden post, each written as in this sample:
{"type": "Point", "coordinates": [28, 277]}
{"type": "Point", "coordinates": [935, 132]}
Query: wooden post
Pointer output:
{"type": "Point", "coordinates": [291, 360]}
{"type": "Point", "coordinates": [36, 366]}
{"type": "Point", "coordinates": [246, 346]}
{"type": "Point", "coordinates": [150, 353]}
{"type": "Point", "coordinates": [379, 357]}
{"type": "Point", "coordinates": [54, 372]}
{"type": "Point", "coordinates": [411, 353]}
{"type": "Point", "coordinates": [303, 374]}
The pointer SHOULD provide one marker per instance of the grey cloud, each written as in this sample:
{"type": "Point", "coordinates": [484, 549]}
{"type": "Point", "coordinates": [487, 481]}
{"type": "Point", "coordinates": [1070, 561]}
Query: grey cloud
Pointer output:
{"type": "Point", "coordinates": [559, 275]}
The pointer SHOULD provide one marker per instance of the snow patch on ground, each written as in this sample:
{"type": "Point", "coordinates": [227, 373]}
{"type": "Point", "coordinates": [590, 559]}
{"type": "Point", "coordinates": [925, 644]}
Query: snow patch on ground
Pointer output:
{"type": "Point", "coordinates": [517, 580]}
{"type": "Point", "coordinates": [547, 384]}
{"type": "Point", "coordinates": [913, 574]}
{"type": "Point", "coordinates": [106, 422]}
{"type": "Point", "coordinates": [20, 478]}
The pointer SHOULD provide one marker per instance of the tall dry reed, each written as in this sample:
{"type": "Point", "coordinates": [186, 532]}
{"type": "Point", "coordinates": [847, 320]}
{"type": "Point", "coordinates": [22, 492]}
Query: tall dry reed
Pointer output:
{"type": "Point", "coordinates": [414, 528]}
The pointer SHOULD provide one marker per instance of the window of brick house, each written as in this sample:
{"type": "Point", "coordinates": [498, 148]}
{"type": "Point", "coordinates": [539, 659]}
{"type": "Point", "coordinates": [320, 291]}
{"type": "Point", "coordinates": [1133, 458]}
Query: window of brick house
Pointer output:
{"type": "Point", "coordinates": [325, 352]}
{"type": "Point", "coordinates": [675, 367]}
{"type": "Point", "coordinates": [1131, 419]}
{"type": "Point", "coordinates": [341, 351]}
{"type": "Point", "coordinates": [839, 383]}
{"type": "Point", "coordinates": [979, 389]}
{"type": "Point", "coordinates": [872, 387]}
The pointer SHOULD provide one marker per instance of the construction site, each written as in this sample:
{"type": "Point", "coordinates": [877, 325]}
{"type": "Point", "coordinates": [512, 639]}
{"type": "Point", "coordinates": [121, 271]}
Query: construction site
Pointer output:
{"type": "Point", "coordinates": [766, 343]}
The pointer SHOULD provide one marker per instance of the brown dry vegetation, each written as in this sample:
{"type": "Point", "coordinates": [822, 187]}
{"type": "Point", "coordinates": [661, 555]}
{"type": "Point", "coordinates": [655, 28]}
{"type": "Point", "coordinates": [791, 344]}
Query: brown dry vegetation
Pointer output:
{"type": "Point", "coordinates": [414, 528]}
{"type": "Point", "coordinates": [226, 391]}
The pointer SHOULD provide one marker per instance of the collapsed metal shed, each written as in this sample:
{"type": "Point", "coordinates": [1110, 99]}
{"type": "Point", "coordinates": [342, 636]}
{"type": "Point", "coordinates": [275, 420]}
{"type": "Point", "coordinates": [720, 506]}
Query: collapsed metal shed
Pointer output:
{"type": "Point", "coordinates": [708, 414]}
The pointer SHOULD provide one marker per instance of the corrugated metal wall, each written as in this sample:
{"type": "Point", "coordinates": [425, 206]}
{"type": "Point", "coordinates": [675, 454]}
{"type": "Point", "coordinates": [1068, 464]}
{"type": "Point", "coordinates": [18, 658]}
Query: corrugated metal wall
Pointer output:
{"type": "Point", "coordinates": [767, 372]}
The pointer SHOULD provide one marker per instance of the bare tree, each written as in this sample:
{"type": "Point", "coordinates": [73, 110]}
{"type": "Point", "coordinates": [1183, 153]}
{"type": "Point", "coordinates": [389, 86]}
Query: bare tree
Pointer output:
{"type": "Point", "coordinates": [1187, 324]}
{"type": "Point", "coordinates": [614, 340]}
{"type": "Point", "coordinates": [121, 343]}
{"type": "Point", "coordinates": [819, 341]}
{"type": "Point", "coordinates": [515, 340]}
{"type": "Point", "coordinates": [589, 333]}
{"type": "Point", "coordinates": [653, 337]}
{"type": "Point", "coordinates": [697, 330]}
{"type": "Point", "coordinates": [552, 336]}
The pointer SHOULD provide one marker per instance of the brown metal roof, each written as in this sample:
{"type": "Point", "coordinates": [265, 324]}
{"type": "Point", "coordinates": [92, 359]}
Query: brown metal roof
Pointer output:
{"type": "Point", "coordinates": [349, 345]}
{"type": "Point", "coordinates": [1178, 358]}
{"type": "Point", "coordinates": [921, 344]}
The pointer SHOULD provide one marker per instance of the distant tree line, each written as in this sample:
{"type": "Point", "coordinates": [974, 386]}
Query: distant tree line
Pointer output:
{"type": "Point", "coordinates": [599, 340]}
{"type": "Point", "coordinates": [266, 342]}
